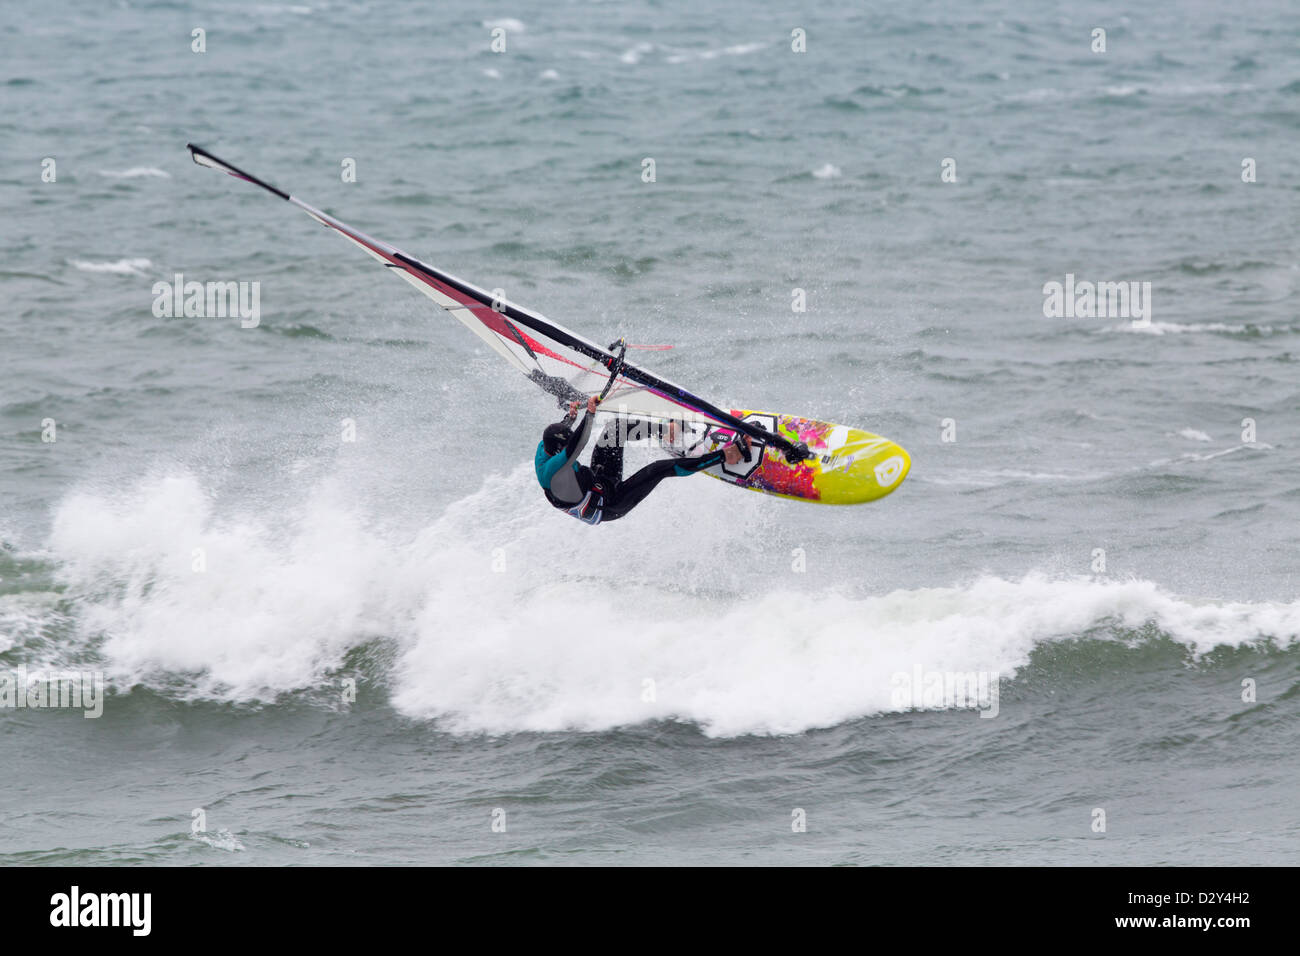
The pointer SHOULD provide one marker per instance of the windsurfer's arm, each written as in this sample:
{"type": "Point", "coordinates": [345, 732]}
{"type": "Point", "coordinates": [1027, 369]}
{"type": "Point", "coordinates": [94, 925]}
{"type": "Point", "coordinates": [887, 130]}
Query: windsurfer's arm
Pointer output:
{"type": "Point", "coordinates": [560, 473]}
{"type": "Point", "coordinates": [578, 440]}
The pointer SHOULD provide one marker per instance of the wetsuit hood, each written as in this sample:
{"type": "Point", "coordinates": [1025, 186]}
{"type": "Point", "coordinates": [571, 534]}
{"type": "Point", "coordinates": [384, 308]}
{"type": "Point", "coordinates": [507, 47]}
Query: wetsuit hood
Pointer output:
{"type": "Point", "coordinates": [555, 437]}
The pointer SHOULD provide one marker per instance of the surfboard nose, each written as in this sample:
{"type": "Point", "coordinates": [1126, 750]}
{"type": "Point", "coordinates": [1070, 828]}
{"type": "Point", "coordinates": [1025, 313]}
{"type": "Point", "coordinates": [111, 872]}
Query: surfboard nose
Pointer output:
{"type": "Point", "coordinates": [891, 467]}
{"type": "Point", "coordinates": [872, 468]}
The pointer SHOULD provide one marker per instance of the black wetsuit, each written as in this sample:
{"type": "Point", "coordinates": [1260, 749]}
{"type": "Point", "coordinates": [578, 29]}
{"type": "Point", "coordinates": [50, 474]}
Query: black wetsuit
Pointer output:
{"type": "Point", "coordinates": [600, 493]}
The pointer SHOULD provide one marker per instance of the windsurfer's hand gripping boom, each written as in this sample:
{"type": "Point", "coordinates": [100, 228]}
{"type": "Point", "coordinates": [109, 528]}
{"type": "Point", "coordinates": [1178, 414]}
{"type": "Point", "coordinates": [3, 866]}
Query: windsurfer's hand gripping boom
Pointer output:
{"type": "Point", "coordinates": [573, 408]}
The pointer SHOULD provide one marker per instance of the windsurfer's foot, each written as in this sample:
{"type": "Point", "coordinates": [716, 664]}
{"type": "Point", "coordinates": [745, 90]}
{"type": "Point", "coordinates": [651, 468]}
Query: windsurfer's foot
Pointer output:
{"type": "Point", "coordinates": [737, 450]}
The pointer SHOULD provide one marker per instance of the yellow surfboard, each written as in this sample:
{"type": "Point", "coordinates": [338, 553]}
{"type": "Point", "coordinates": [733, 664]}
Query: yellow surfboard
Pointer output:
{"type": "Point", "coordinates": [849, 466]}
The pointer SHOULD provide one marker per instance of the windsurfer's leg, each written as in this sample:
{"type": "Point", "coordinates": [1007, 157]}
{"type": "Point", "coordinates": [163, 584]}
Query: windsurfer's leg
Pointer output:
{"type": "Point", "coordinates": [607, 459]}
{"type": "Point", "coordinates": [628, 494]}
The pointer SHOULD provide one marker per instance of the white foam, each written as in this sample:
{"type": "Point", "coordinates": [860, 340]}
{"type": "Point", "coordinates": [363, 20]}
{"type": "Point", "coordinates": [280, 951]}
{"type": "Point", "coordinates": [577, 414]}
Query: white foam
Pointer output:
{"type": "Point", "coordinates": [991, 477]}
{"type": "Point", "coordinates": [738, 49]}
{"type": "Point", "coordinates": [633, 55]}
{"type": "Point", "coordinates": [121, 267]}
{"type": "Point", "coordinates": [268, 614]}
{"type": "Point", "coordinates": [1209, 456]}
{"type": "Point", "coordinates": [509, 24]}
{"type": "Point", "coordinates": [828, 171]}
{"type": "Point", "coordinates": [784, 662]}
{"type": "Point", "coordinates": [1193, 435]}
{"type": "Point", "coordinates": [1035, 95]}
{"type": "Point", "coordinates": [136, 172]}
{"type": "Point", "coordinates": [1193, 456]}
{"type": "Point", "coordinates": [1175, 328]}
{"type": "Point", "coordinates": [575, 621]}
{"type": "Point", "coordinates": [24, 617]}
{"type": "Point", "coordinates": [221, 840]}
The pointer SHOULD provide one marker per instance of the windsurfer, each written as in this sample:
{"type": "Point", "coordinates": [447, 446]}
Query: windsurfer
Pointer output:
{"type": "Point", "coordinates": [599, 492]}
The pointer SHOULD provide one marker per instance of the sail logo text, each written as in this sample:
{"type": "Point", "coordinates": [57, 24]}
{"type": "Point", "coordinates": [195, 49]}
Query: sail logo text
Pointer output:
{"type": "Point", "coordinates": [103, 909]}
{"type": "Point", "coordinates": [1097, 300]}
{"type": "Point", "coordinates": [212, 300]}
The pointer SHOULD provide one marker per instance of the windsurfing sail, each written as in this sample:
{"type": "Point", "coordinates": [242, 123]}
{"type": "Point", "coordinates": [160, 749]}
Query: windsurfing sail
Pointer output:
{"type": "Point", "coordinates": [561, 362]}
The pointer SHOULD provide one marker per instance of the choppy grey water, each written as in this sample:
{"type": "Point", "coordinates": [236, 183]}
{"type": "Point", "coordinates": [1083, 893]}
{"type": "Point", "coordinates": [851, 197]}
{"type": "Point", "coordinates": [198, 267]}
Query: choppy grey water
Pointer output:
{"type": "Point", "coordinates": [1111, 537]}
